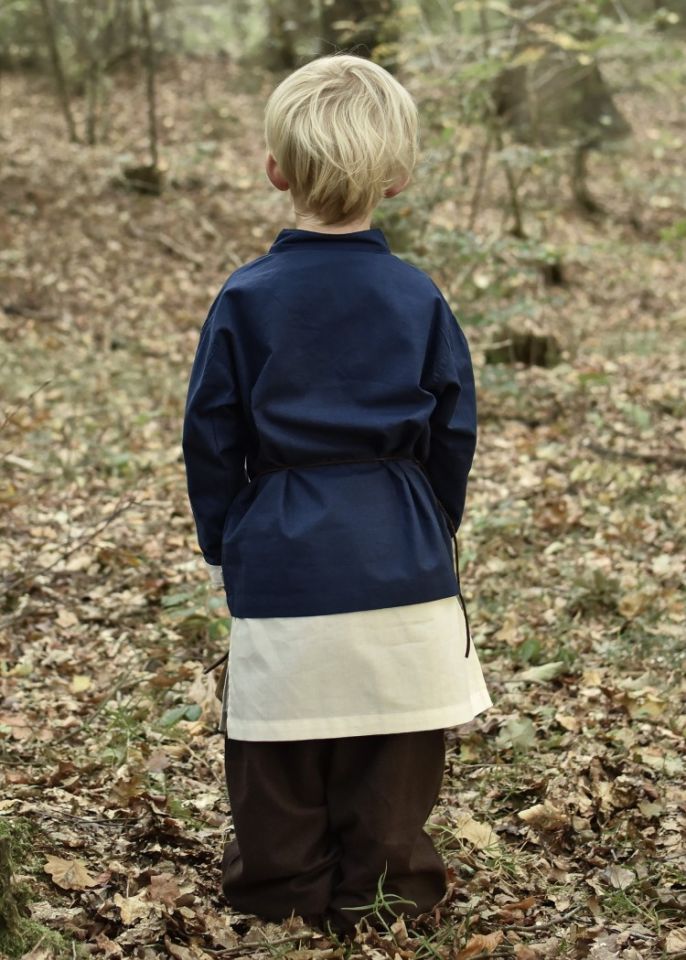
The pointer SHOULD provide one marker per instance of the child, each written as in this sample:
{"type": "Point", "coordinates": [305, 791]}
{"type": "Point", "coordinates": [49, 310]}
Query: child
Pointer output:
{"type": "Point", "coordinates": [329, 430]}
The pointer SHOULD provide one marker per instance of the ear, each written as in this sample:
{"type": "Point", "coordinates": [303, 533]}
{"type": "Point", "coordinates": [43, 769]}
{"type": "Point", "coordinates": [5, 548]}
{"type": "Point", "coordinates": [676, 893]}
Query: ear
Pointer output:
{"type": "Point", "coordinates": [276, 178]}
{"type": "Point", "coordinates": [397, 187]}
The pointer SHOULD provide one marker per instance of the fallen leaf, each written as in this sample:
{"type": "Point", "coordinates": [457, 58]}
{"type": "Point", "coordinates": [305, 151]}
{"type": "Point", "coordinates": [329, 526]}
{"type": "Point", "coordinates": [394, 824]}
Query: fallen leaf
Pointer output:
{"type": "Point", "coordinates": [517, 733]}
{"type": "Point", "coordinates": [66, 618]}
{"type": "Point", "coordinates": [480, 835]}
{"type": "Point", "coordinates": [543, 672]}
{"type": "Point", "coordinates": [178, 951]}
{"type": "Point", "coordinates": [543, 815]}
{"type": "Point", "coordinates": [480, 943]}
{"type": "Point", "coordinates": [668, 763]}
{"type": "Point", "coordinates": [164, 888]}
{"type": "Point", "coordinates": [17, 725]}
{"type": "Point", "coordinates": [133, 908]}
{"type": "Point", "coordinates": [675, 941]}
{"type": "Point", "coordinates": [619, 877]}
{"type": "Point", "coordinates": [569, 722]}
{"type": "Point", "coordinates": [69, 874]}
{"type": "Point", "coordinates": [106, 946]}
{"type": "Point", "coordinates": [526, 904]}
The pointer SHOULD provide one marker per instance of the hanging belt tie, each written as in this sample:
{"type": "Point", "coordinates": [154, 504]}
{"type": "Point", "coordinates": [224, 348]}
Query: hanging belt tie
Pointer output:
{"type": "Point", "coordinates": [216, 663]}
{"type": "Point", "coordinates": [451, 525]}
{"type": "Point", "coordinates": [453, 534]}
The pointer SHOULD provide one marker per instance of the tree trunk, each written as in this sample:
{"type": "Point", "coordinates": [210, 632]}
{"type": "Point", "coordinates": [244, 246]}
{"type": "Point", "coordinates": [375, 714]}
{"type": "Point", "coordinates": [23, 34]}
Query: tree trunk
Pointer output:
{"type": "Point", "coordinates": [285, 23]}
{"type": "Point", "coordinates": [556, 97]}
{"type": "Point", "coordinates": [149, 57]}
{"type": "Point", "coordinates": [58, 69]}
{"type": "Point", "coordinates": [363, 27]}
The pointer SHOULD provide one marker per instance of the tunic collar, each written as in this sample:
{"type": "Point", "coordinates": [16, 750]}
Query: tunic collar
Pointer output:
{"type": "Point", "coordinates": [372, 240]}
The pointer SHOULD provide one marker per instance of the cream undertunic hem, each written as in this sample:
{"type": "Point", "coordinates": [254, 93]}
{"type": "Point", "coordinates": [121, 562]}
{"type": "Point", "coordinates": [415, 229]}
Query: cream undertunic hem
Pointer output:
{"type": "Point", "coordinates": [391, 670]}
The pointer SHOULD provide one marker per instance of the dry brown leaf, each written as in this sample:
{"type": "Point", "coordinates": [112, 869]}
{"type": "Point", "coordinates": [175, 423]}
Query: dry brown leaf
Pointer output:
{"type": "Point", "coordinates": [675, 942]}
{"type": "Point", "coordinates": [19, 726]}
{"type": "Point", "coordinates": [480, 835]}
{"type": "Point", "coordinates": [619, 877]}
{"type": "Point", "coordinates": [480, 943]}
{"type": "Point", "coordinates": [524, 905]}
{"type": "Point", "coordinates": [178, 951]}
{"type": "Point", "coordinates": [522, 952]}
{"type": "Point", "coordinates": [543, 815]}
{"type": "Point", "coordinates": [125, 789]}
{"type": "Point", "coordinates": [643, 704]}
{"type": "Point", "coordinates": [220, 930]}
{"type": "Point", "coordinates": [164, 888]}
{"type": "Point", "coordinates": [133, 908]}
{"type": "Point", "coordinates": [69, 874]}
{"type": "Point", "coordinates": [569, 722]}
{"type": "Point", "coordinates": [80, 682]}
{"type": "Point", "coordinates": [66, 618]}
{"type": "Point", "coordinates": [108, 947]}
{"type": "Point", "coordinates": [158, 761]}
{"type": "Point", "coordinates": [399, 931]}
{"type": "Point", "coordinates": [195, 952]}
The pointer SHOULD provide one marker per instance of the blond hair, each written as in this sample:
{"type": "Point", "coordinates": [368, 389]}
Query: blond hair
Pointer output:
{"type": "Point", "coordinates": [342, 130]}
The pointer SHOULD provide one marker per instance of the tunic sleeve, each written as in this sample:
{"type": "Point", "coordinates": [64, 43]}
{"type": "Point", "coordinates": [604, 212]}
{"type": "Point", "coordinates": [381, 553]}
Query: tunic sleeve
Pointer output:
{"type": "Point", "coordinates": [214, 431]}
{"type": "Point", "coordinates": [453, 422]}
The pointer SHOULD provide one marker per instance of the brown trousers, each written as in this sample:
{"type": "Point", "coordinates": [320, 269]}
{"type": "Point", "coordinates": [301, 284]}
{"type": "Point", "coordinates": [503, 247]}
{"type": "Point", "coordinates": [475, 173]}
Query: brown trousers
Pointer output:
{"type": "Point", "coordinates": [319, 821]}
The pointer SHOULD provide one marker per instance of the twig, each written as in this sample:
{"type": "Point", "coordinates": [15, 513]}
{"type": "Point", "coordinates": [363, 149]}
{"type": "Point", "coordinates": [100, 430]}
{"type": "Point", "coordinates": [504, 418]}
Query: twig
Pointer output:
{"type": "Point", "coordinates": [538, 927]}
{"type": "Point", "coordinates": [105, 821]}
{"type": "Point", "coordinates": [169, 244]}
{"type": "Point", "coordinates": [121, 507]}
{"type": "Point", "coordinates": [22, 403]}
{"type": "Point", "coordinates": [247, 948]}
{"type": "Point", "coordinates": [666, 459]}
{"type": "Point", "coordinates": [475, 202]}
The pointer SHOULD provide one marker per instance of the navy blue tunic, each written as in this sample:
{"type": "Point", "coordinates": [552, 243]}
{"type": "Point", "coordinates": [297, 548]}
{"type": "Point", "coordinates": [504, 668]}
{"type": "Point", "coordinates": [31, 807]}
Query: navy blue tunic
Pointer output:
{"type": "Point", "coordinates": [329, 348]}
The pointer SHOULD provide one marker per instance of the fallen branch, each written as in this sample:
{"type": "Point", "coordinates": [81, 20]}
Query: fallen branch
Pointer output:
{"type": "Point", "coordinates": [245, 948]}
{"type": "Point", "coordinates": [168, 243]}
{"type": "Point", "coordinates": [664, 459]}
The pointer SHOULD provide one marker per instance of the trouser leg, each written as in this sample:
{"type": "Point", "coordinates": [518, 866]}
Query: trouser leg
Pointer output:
{"type": "Point", "coordinates": [381, 790]}
{"type": "Point", "coordinates": [283, 859]}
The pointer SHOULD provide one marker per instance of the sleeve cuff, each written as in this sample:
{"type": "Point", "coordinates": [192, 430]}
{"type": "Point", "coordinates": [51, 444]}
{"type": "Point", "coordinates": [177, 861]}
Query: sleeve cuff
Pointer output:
{"type": "Point", "coordinates": [215, 574]}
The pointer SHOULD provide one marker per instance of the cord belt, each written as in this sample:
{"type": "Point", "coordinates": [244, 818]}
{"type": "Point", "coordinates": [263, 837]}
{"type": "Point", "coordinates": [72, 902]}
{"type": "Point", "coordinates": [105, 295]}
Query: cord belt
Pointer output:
{"type": "Point", "coordinates": [451, 527]}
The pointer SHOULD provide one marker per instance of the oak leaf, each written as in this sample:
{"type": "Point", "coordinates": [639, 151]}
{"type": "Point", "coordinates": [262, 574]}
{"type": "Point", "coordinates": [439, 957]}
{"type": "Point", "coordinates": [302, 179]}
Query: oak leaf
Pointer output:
{"type": "Point", "coordinates": [133, 908]}
{"type": "Point", "coordinates": [69, 874]}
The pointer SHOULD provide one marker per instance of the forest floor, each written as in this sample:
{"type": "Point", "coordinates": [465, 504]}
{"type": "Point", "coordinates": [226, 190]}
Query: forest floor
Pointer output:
{"type": "Point", "coordinates": [563, 812]}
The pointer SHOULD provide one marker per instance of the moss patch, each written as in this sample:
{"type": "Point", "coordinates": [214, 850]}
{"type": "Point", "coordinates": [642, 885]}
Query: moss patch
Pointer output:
{"type": "Point", "coordinates": [18, 932]}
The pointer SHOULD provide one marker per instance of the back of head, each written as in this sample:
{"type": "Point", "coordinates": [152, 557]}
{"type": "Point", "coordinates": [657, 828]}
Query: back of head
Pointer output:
{"type": "Point", "coordinates": [342, 130]}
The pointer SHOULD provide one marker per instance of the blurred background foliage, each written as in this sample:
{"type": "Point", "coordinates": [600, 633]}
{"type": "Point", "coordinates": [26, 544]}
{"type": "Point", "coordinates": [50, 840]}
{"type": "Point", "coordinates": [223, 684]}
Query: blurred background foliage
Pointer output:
{"type": "Point", "coordinates": [516, 97]}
